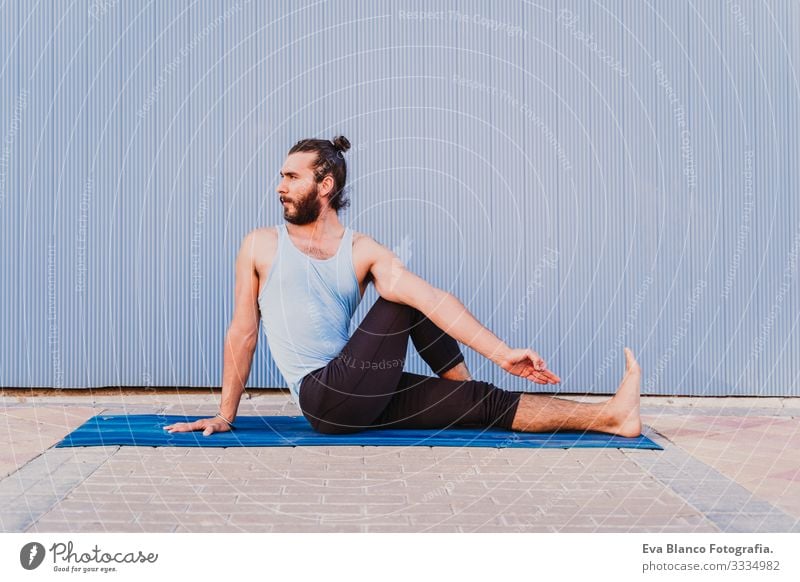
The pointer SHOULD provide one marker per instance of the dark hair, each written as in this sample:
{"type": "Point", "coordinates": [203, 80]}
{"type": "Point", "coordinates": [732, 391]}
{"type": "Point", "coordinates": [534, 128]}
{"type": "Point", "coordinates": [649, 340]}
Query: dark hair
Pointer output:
{"type": "Point", "coordinates": [330, 160]}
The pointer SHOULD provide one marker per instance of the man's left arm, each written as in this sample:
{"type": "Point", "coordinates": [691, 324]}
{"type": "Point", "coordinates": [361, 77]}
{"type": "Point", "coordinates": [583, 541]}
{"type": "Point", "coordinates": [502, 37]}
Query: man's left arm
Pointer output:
{"type": "Point", "coordinates": [395, 283]}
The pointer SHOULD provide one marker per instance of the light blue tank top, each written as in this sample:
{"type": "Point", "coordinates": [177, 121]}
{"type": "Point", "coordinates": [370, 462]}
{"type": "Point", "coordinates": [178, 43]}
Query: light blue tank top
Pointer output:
{"type": "Point", "coordinates": [306, 306]}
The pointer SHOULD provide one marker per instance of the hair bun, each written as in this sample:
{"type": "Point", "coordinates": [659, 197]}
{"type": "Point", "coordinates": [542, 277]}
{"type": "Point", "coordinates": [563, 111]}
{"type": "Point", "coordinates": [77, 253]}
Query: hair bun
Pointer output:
{"type": "Point", "coordinates": [341, 143]}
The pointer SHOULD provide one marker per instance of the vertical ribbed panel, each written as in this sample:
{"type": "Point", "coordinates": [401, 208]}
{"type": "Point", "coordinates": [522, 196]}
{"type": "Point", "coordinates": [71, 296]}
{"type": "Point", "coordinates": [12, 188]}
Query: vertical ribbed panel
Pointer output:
{"type": "Point", "coordinates": [40, 324]}
{"type": "Point", "coordinates": [14, 111]}
{"type": "Point", "coordinates": [582, 175]}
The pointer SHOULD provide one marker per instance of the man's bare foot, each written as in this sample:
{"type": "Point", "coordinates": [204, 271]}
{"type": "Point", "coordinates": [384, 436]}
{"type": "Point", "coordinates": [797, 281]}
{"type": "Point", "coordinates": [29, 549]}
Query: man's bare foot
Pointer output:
{"type": "Point", "coordinates": [623, 408]}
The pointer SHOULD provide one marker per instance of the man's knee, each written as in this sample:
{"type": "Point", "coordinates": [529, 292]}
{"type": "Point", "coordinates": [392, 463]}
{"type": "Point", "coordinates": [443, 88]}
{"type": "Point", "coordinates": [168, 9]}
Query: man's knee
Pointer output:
{"type": "Point", "coordinates": [385, 306]}
{"type": "Point", "coordinates": [499, 406]}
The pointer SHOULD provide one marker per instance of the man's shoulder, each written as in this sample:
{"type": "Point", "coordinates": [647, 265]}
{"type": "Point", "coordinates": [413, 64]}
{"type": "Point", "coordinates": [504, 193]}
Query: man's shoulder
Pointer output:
{"type": "Point", "coordinates": [261, 242]}
{"type": "Point", "coordinates": [263, 233]}
{"type": "Point", "coordinates": [366, 246]}
{"type": "Point", "coordinates": [360, 237]}
{"type": "Point", "coordinates": [365, 242]}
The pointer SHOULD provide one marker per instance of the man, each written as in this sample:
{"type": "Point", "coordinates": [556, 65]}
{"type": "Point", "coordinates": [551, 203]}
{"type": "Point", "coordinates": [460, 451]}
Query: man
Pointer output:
{"type": "Point", "coordinates": [306, 278]}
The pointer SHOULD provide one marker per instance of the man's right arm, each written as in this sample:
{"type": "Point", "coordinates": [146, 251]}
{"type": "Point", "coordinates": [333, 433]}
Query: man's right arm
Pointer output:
{"type": "Point", "coordinates": [242, 335]}
{"type": "Point", "coordinates": [240, 343]}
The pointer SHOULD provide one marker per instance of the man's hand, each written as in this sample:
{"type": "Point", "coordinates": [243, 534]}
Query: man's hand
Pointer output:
{"type": "Point", "coordinates": [527, 364]}
{"type": "Point", "coordinates": [208, 425]}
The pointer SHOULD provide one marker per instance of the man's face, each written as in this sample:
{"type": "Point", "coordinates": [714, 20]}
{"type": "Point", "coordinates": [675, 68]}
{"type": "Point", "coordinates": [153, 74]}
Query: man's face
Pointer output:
{"type": "Point", "coordinates": [298, 191]}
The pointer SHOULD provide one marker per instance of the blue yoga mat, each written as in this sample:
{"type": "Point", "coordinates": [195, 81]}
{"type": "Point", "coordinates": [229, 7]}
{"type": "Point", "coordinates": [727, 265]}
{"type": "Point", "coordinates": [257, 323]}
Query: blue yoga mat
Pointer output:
{"type": "Point", "coordinates": [147, 430]}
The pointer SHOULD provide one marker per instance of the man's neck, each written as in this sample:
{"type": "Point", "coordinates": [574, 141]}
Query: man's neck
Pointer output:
{"type": "Point", "coordinates": [326, 226]}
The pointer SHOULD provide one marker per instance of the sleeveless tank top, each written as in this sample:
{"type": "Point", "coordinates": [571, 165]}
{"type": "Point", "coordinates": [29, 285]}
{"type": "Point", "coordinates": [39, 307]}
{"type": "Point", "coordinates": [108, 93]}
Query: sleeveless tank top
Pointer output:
{"type": "Point", "coordinates": [306, 306]}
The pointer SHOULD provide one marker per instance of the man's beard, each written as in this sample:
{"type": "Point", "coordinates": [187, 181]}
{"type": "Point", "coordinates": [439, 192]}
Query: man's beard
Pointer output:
{"type": "Point", "coordinates": [306, 210]}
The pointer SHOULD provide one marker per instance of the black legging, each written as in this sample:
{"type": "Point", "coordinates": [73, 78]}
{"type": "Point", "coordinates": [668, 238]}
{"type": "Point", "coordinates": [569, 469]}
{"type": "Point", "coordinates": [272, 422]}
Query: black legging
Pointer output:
{"type": "Point", "coordinates": [365, 386]}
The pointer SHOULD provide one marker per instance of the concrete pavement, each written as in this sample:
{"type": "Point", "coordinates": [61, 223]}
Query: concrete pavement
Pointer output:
{"type": "Point", "coordinates": [729, 464]}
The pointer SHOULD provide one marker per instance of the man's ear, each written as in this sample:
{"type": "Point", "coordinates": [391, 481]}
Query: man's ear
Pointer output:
{"type": "Point", "coordinates": [326, 186]}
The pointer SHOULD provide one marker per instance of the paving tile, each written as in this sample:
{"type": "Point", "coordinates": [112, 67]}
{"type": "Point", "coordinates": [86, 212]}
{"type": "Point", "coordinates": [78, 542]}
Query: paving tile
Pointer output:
{"type": "Point", "coordinates": [388, 528]}
{"type": "Point", "coordinates": [754, 523]}
{"type": "Point", "coordinates": [380, 500]}
{"type": "Point", "coordinates": [460, 519]}
{"type": "Point", "coordinates": [326, 509]}
{"type": "Point", "coordinates": [319, 528]}
{"type": "Point", "coordinates": [443, 529]}
{"type": "Point", "coordinates": [274, 519]}
{"type": "Point", "coordinates": [325, 482]}
{"type": "Point", "coordinates": [219, 528]}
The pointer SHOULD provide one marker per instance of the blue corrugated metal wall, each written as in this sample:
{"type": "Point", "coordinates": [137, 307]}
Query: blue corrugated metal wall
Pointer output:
{"type": "Point", "coordinates": [582, 175]}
